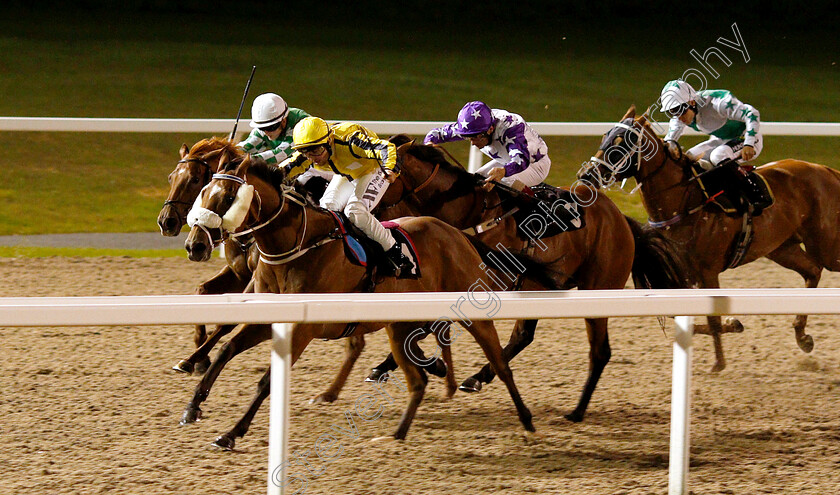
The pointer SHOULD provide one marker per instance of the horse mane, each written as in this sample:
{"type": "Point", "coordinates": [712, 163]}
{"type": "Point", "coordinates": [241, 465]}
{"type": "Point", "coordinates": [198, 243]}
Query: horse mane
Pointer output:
{"type": "Point", "coordinates": [216, 143]}
{"type": "Point", "coordinates": [465, 182]}
{"type": "Point", "coordinates": [683, 161]}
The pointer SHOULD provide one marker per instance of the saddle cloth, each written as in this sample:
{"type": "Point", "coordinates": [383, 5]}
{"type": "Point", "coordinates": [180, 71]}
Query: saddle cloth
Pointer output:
{"type": "Point", "coordinates": [718, 188]}
{"type": "Point", "coordinates": [362, 251]}
{"type": "Point", "coordinates": [550, 211]}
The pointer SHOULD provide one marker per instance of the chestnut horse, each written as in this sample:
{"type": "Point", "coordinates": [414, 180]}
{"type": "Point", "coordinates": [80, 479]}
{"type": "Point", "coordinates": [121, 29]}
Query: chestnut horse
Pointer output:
{"type": "Point", "coordinates": [600, 255]}
{"type": "Point", "coordinates": [298, 255]}
{"type": "Point", "coordinates": [191, 174]}
{"type": "Point", "coordinates": [799, 231]}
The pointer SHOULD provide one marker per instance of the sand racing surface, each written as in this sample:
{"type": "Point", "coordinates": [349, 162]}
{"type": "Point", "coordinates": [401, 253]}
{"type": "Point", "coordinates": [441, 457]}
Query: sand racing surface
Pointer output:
{"type": "Point", "coordinates": [96, 409]}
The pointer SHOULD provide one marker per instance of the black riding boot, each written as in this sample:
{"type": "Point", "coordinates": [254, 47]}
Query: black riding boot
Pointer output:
{"type": "Point", "coordinates": [755, 194]}
{"type": "Point", "coordinates": [401, 263]}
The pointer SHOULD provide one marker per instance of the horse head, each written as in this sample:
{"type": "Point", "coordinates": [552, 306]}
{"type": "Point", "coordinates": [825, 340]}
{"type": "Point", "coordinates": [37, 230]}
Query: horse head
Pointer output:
{"type": "Point", "coordinates": [617, 157]}
{"type": "Point", "coordinates": [220, 207]}
{"type": "Point", "coordinates": [191, 173]}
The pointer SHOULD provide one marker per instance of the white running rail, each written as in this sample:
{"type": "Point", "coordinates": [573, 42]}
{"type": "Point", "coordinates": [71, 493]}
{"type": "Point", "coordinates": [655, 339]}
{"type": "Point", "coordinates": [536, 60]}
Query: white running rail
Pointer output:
{"type": "Point", "coordinates": [328, 308]}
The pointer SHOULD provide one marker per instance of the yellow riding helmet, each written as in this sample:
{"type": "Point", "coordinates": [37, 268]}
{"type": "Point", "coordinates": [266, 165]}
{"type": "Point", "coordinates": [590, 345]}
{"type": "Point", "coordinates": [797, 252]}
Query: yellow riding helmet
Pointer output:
{"type": "Point", "coordinates": [311, 131]}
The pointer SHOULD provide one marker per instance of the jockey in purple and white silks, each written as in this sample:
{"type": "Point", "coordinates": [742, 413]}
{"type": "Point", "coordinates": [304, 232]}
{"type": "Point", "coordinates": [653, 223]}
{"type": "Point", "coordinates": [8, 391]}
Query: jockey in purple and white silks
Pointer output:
{"type": "Point", "coordinates": [518, 153]}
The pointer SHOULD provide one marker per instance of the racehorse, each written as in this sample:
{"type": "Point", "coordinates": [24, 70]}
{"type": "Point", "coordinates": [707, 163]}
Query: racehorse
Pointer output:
{"type": "Point", "coordinates": [799, 232]}
{"type": "Point", "coordinates": [298, 255]}
{"type": "Point", "coordinates": [598, 256]}
{"type": "Point", "coordinates": [192, 172]}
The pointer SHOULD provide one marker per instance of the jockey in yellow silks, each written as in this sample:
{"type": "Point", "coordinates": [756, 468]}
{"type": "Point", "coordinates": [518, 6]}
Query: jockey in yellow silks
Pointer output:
{"type": "Point", "coordinates": [364, 166]}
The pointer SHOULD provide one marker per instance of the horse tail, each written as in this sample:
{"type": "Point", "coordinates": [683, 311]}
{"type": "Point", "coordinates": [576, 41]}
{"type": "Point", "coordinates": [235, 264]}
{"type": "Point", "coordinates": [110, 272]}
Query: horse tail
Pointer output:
{"type": "Point", "coordinates": [658, 262]}
{"type": "Point", "coordinates": [514, 264]}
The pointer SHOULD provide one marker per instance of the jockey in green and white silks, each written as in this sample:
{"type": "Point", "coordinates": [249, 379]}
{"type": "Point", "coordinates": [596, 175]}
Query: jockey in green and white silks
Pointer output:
{"type": "Point", "coordinates": [273, 122]}
{"type": "Point", "coordinates": [733, 126]}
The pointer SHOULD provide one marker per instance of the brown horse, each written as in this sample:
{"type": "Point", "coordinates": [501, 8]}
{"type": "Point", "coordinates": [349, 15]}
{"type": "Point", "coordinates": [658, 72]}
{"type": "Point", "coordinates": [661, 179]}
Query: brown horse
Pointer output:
{"type": "Point", "coordinates": [598, 256]}
{"type": "Point", "coordinates": [191, 174]}
{"type": "Point", "coordinates": [799, 232]}
{"type": "Point", "coordinates": [298, 256]}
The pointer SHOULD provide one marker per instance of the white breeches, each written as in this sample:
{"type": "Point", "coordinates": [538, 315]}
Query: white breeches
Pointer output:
{"type": "Point", "coordinates": [356, 199]}
{"type": "Point", "coordinates": [531, 176]}
{"type": "Point", "coordinates": [717, 150]}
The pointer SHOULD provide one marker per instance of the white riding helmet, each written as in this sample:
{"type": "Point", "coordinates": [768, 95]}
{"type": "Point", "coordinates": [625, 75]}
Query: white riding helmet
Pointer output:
{"type": "Point", "coordinates": [268, 109]}
{"type": "Point", "coordinates": [675, 94]}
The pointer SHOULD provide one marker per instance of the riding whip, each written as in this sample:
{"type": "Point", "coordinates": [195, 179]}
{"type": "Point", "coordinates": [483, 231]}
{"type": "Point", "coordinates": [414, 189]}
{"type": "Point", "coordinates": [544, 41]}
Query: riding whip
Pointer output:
{"type": "Point", "coordinates": [239, 114]}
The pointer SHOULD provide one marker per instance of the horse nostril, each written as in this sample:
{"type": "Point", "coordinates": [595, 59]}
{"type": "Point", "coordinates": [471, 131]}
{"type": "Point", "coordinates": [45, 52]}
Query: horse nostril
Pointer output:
{"type": "Point", "coordinates": [170, 224]}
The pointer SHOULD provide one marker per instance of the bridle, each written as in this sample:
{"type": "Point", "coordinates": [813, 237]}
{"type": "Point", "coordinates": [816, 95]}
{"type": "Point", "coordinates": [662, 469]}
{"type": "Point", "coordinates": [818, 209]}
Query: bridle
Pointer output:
{"type": "Point", "coordinates": [412, 191]}
{"type": "Point", "coordinates": [175, 202]}
{"type": "Point", "coordinates": [636, 149]}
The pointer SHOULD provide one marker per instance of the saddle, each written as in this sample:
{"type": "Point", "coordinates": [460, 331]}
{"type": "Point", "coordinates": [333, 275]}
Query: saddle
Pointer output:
{"type": "Point", "coordinates": [362, 251]}
{"type": "Point", "coordinates": [546, 212]}
{"type": "Point", "coordinates": [731, 190]}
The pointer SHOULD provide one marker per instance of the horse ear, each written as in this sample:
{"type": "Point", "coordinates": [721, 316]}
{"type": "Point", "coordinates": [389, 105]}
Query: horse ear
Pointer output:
{"type": "Point", "coordinates": [644, 117]}
{"type": "Point", "coordinates": [184, 150]}
{"type": "Point", "coordinates": [213, 154]}
{"type": "Point", "coordinates": [631, 113]}
{"type": "Point", "coordinates": [243, 167]}
{"type": "Point", "coordinates": [223, 159]}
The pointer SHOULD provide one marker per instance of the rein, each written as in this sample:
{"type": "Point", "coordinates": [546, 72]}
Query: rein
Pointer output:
{"type": "Point", "coordinates": [298, 250]}
{"type": "Point", "coordinates": [171, 202]}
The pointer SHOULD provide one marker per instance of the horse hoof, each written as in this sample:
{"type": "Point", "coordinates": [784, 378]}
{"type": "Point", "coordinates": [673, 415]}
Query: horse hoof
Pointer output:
{"type": "Point", "coordinates": [325, 398]}
{"type": "Point", "coordinates": [377, 375]}
{"type": "Point", "coordinates": [450, 391]}
{"type": "Point", "coordinates": [574, 416]}
{"type": "Point", "coordinates": [471, 384]}
{"type": "Point", "coordinates": [718, 367]}
{"type": "Point", "coordinates": [734, 324]}
{"type": "Point", "coordinates": [806, 343]}
{"type": "Point", "coordinates": [224, 442]}
{"type": "Point", "coordinates": [184, 366]}
{"type": "Point", "coordinates": [190, 416]}
{"type": "Point", "coordinates": [202, 366]}
{"type": "Point", "coordinates": [389, 438]}
{"type": "Point", "coordinates": [438, 368]}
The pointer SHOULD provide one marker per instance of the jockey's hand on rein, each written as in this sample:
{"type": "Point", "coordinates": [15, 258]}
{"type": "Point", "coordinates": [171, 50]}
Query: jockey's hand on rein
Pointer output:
{"type": "Point", "coordinates": [747, 153]}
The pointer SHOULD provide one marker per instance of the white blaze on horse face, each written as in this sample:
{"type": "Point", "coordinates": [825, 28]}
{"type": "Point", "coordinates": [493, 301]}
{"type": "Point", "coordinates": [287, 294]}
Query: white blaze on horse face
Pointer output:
{"type": "Point", "coordinates": [201, 216]}
{"type": "Point", "coordinates": [239, 209]}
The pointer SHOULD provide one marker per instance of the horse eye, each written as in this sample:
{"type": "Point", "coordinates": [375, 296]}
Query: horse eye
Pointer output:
{"type": "Point", "coordinates": [229, 198]}
{"type": "Point", "coordinates": [194, 180]}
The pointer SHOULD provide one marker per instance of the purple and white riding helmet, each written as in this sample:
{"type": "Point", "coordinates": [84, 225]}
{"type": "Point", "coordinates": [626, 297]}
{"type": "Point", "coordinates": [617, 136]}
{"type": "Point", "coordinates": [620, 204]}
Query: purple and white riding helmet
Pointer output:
{"type": "Point", "coordinates": [474, 118]}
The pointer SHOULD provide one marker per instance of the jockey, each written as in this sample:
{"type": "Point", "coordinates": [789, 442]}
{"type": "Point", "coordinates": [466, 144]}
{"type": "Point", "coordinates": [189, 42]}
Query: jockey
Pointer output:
{"type": "Point", "coordinates": [271, 139]}
{"type": "Point", "coordinates": [363, 165]}
{"type": "Point", "coordinates": [732, 126]}
{"type": "Point", "coordinates": [518, 153]}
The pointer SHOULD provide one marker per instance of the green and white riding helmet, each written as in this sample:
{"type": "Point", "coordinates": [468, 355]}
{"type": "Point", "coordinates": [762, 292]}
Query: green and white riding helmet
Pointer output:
{"type": "Point", "coordinates": [675, 97]}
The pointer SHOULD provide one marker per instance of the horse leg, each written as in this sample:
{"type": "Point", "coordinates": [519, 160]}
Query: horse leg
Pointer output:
{"type": "Point", "coordinates": [381, 369]}
{"type": "Point", "coordinates": [353, 347]}
{"type": "Point", "coordinates": [714, 328]}
{"type": "Point", "coordinates": [199, 359]}
{"type": "Point", "coordinates": [446, 353]}
{"type": "Point", "coordinates": [247, 337]}
{"type": "Point", "coordinates": [791, 256]}
{"type": "Point", "coordinates": [301, 337]}
{"type": "Point", "coordinates": [228, 440]}
{"type": "Point", "coordinates": [224, 281]}
{"type": "Point", "coordinates": [599, 356]}
{"type": "Point", "coordinates": [520, 338]}
{"type": "Point", "coordinates": [437, 367]}
{"type": "Point", "coordinates": [484, 332]}
{"type": "Point", "coordinates": [398, 335]}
